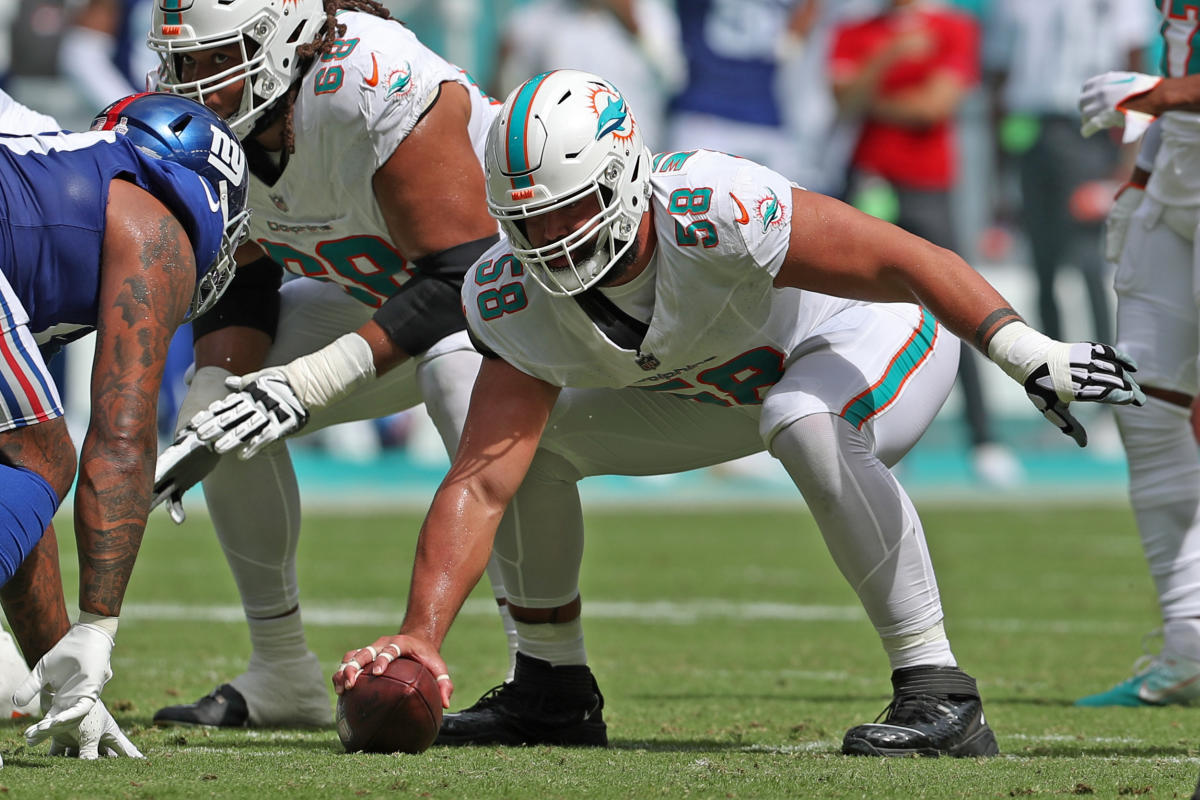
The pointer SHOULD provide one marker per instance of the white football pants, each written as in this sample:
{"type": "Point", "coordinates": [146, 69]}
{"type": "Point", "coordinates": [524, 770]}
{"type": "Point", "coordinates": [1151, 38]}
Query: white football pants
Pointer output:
{"type": "Point", "coordinates": [255, 504]}
{"type": "Point", "coordinates": [841, 468]}
{"type": "Point", "coordinates": [1157, 294]}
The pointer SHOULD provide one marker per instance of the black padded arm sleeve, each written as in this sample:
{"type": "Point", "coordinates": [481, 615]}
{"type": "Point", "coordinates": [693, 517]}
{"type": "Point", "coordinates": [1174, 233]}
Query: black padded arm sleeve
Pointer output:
{"type": "Point", "coordinates": [252, 300]}
{"type": "Point", "coordinates": [479, 346]}
{"type": "Point", "coordinates": [428, 308]}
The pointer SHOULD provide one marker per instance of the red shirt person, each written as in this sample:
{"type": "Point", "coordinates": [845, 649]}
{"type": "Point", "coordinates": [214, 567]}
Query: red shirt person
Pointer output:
{"type": "Point", "coordinates": [905, 72]}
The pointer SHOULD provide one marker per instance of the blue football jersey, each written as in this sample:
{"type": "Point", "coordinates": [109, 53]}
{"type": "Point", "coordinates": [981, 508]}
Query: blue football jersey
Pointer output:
{"type": "Point", "coordinates": [730, 47]}
{"type": "Point", "coordinates": [53, 197]}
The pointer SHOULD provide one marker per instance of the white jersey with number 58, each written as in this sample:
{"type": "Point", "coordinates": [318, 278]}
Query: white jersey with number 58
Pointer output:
{"type": "Point", "coordinates": [356, 104]}
{"type": "Point", "coordinates": [719, 332]}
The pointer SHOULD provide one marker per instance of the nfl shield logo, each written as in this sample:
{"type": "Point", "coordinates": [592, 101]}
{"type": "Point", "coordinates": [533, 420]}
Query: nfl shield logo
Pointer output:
{"type": "Point", "coordinates": [646, 361]}
{"type": "Point", "coordinates": [278, 201]}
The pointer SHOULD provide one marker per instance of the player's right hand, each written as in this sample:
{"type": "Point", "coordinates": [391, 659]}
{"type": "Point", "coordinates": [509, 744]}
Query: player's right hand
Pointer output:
{"type": "Point", "coordinates": [262, 409]}
{"type": "Point", "coordinates": [1116, 226]}
{"type": "Point", "coordinates": [97, 735]}
{"type": "Point", "coordinates": [375, 657]}
{"type": "Point", "coordinates": [74, 671]}
{"type": "Point", "coordinates": [180, 467]}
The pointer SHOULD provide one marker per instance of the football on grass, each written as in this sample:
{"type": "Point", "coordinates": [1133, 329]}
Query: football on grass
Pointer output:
{"type": "Point", "coordinates": [399, 711]}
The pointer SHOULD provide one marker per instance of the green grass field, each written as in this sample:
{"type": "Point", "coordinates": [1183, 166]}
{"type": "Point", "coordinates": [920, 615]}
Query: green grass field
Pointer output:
{"type": "Point", "coordinates": [731, 655]}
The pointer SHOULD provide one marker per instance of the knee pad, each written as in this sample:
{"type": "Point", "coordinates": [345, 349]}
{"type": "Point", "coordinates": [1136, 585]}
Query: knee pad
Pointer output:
{"type": "Point", "coordinates": [27, 504]}
{"type": "Point", "coordinates": [813, 450]}
{"type": "Point", "coordinates": [1163, 463]}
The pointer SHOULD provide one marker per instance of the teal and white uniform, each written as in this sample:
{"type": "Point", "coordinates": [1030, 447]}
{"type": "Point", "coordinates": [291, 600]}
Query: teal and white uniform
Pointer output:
{"type": "Point", "coordinates": [320, 219]}
{"type": "Point", "coordinates": [719, 332]}
{"type": "Point", "coordinates": [1176, 178]}
{"type": "Point", "coordinates": [728, 366]}
{"type": "Point", "coordinates": [1159, 325]}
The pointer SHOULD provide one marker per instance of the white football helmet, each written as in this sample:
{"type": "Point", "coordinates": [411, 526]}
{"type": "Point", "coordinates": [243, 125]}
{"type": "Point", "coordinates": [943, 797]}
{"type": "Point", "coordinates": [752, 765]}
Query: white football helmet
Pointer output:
{"type": "Point", "coordinates": [267, 31]}
{"type": "Point", "coordinates": [561, 136]}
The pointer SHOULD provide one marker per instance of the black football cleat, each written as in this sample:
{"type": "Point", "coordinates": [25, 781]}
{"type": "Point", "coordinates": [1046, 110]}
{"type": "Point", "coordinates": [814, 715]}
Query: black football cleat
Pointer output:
{"type": "Point", "coordinates": [934, 711]}
{"type": "Point", "coordinates": [541, 705]}
{"type": "Point", "coordinates": [223, 707]}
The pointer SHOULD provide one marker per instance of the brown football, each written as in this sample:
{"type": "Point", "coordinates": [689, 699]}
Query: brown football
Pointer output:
{"type": "Point", "coordinates": [399, 711]}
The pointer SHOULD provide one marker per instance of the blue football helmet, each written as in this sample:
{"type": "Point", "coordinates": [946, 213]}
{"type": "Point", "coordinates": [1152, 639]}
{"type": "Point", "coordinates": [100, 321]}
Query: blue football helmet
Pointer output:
{"type": "Point", "coordinates": [181, 130]}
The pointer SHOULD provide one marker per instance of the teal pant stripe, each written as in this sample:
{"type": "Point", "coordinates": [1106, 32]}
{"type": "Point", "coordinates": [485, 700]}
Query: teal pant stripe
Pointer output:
{"type": "Point", "coordinates": [902, 366]}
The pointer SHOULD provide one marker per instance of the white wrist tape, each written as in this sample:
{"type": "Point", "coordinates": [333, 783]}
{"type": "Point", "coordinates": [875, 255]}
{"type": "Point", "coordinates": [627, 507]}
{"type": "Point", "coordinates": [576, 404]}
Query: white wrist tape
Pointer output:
{"type": "Point", "coordinates": [1148, 151]}
{"type": "Point", "coordinates": [1018, 349]}
{"type": "Point", "coordinates": [106, 624]}
{"type": "Point", "coordinates": [330, 373]}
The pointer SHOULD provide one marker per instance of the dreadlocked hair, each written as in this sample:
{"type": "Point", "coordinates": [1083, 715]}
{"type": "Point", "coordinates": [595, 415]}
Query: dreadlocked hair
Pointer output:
{"type": "Point", "coordinates": [331, 31]}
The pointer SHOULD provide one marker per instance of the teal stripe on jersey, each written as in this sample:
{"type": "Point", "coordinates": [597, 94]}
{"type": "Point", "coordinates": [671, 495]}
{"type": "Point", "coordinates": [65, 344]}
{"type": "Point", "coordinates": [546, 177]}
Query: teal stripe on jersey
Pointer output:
{"type": "Point", "coordinates": [518, 125]}
{"type": "Point", "coordinates": [902, 367]}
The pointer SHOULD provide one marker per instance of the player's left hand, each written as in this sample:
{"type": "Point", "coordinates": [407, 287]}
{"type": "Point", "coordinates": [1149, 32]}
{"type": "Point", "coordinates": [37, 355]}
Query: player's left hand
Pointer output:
{"type": "Point", "coordinates": [180, 467]}
{"type": "Point", "coordinates": [1081, 371]}
{"type": "Point", "coordinates": [74, 671]}
{"type": "Point", "coordinates": [1102, 98]}
{"type": "Point", "coordinates": [97, 735]}
{"type": "Point", "coordinates": [261, 409]}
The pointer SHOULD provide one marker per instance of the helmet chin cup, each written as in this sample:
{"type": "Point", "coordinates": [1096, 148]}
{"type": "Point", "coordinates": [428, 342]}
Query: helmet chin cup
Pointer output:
{"type": "Point", "coordinates": [562, 137]}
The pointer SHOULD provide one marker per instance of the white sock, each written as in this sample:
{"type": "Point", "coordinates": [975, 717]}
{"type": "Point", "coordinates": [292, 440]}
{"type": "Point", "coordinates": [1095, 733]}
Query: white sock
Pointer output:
{"type": "Point", "coordinates": [930, 647]}
{"type": "Point", "coordinates": [277, 642]}
{"type": "Point", "coordinates": [510, 632]}
{"type": "Point", "coordinates": [560, 643]}
{"type": "Point", "coordinates": [1182, 637]}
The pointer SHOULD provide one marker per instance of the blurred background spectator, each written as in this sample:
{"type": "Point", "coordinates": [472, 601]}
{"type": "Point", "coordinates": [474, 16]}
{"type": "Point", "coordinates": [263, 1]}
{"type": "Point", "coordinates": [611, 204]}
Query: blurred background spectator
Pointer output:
{"type": "Point", "coordinates": [731, 101]}
{"type": "Point", "coordinates": [901, 77]}
{"type": "Point", "coordinates": [633, 43]}
{"type": "Point", "coordinates": [1038, 54]}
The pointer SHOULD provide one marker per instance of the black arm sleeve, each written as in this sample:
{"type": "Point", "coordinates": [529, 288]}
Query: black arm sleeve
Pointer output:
{"type": "Point", "coordinates": [428, 308]}
{"type": "Point", "coordinates": [252, 300]}
{"type": "Point", "coordinates": [479, 346]}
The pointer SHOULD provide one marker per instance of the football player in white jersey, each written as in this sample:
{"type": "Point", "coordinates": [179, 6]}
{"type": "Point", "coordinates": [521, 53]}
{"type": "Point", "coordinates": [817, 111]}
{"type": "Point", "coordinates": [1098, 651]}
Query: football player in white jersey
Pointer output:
{"type": "Point", "coordinates": [365, 150]}
{"type": "Point", "coordinates": [1152, 239]}
{"type": "Point", "coordinates": [655, 315]}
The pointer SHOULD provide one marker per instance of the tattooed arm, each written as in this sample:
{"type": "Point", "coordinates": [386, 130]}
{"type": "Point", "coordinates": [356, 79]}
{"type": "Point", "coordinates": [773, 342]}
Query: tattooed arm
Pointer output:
{"type": "Point", "coordinates": [148, 273]}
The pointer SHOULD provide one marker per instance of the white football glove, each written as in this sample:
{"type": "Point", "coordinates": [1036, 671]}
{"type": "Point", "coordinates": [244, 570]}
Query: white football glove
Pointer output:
{"type": "Point", "coordinates": [1126, 201]}
{"type": "Point", "coordinates": [1102, 96]}
{"type": "Point", "coordinates": [1055, 374]}
{"type": "Point", "coordinates": [180, 467]}
{"type": "Point", "coordinates": [97, 735]}
{"type": "Point", "coordinates": [263, 408]}
{"type": "Point", "coordinates": [74, 671]}
{"type": "Point", "coordinates": [275, 402]}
